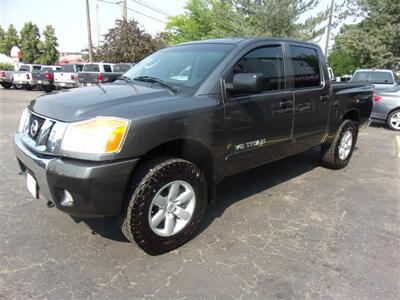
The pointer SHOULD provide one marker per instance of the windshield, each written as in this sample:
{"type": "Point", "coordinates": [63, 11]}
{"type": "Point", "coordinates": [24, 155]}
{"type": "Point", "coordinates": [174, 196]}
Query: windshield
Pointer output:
{"type": "Point", "coordinates": [373, 77]}
{"type": "Point", "coordinates": [187, 65]}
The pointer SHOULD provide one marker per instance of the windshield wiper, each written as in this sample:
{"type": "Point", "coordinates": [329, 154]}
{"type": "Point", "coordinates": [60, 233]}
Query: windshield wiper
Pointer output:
{"type": "Point", "coordinates": [156, 80]}
{"type": "Point", "coordinates": [125, 78]}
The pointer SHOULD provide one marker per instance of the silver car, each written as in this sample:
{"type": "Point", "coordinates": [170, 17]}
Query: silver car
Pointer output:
{"type": "Point", "coordinates": [387, 107]}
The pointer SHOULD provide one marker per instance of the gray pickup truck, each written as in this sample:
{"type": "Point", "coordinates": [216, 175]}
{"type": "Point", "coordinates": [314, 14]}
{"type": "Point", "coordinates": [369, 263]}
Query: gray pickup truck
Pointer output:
{"type": "Point", "coordinates": [151, 147]}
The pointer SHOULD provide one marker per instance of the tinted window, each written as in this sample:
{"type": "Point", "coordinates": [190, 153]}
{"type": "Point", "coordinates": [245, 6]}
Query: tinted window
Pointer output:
{"type": "Point", "coordinates": [46, 69]}
{"type": "Point", "coordinates": [79, 68]}
{"type": "Point", "coordinates": [305, 67]}
{"type": "Point", "coordinates": [67, 68]}
{"type": "Point", "coordinates": [37, 67]}
{"type": "Point", "coordinates": [267, 61]}
{"type": "Point", "coordinates": [91, 68]}
{"type": "Point", "coordinates": [373, 77]}
{"type": "Point", "coordinates": [107, 68]}
{"type": "Point", "coordinates": [24, 68]}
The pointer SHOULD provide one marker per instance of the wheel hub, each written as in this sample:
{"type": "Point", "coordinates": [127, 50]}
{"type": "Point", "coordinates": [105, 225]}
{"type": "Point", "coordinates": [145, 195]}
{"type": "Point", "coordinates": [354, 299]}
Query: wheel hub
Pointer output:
{"type": "Point", "coordinates": [345, 145]}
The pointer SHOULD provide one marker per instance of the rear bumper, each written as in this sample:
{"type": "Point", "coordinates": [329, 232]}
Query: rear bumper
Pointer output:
{"type": "Point", "coordinates": [5, 80]}
{"type": "Point", "coordinates": [66, 84]}
{"type": "Point", "coordinates": [25, 82]}
{"type": "Point", "coordinates": [98, 189]}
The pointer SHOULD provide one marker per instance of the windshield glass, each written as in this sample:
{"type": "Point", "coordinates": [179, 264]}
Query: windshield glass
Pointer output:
{"type": "Point", "coordinates": [373, 77]}
{"type": "Point", "coordinates": [187, 65]}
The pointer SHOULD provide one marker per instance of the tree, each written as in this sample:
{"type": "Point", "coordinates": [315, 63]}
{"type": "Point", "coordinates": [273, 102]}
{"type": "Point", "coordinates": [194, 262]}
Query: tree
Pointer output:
{"type": "Point", "coordinates": [48, 48]}
{"type": "Point", "coordinates": [30, 40]}
{"type": "Point", "coordinates": [126, 42]}
{"type": "Point", "coordinates": [373, 42]}
{"type": "Point", "coordinates": [9, 40]}
{"type": "Point", "coordinates": [237, 18]}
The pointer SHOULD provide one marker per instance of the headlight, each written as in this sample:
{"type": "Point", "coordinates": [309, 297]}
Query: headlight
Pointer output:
{"type": "Point", "coordinates": [101, 135]}
{"type": "Point", "coordinates": [23, 120]}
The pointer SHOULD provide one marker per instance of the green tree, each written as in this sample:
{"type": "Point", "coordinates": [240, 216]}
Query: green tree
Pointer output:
{"type": "Point", "coordinates": [126, 42]}
{"type": "Point", "coordinates": [48, 48]}
{"type": "Point", "coordinates": [236, 18]}
{"type": "Point", "coordinates": [10, 39]}
{"type": "Point", "coordinates": [30, 40]}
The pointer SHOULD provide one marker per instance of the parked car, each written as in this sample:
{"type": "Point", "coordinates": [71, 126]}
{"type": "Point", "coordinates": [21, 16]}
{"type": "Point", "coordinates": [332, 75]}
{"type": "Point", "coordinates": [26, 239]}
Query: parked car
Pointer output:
{"type": "Point", "coordinates": [151, 147]}
{"type": "Point", "coordinates": [24, 76]}
{"type": "Point", "coordinates": [67, 77]}
{"type": "Point", "coordinates": [387, 107]}
{"type": "Point", "coordinates": [380, 78]}
{"type": "Point", "coordinates": [45, 77]}
{"type": "Point", "coordinates": [95, 73]}
{"type": "Point", "coordinates": [6, 79]}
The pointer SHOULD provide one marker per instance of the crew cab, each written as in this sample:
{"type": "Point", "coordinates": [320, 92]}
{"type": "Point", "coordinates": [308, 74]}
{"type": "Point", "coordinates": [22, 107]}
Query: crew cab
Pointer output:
{"type": "Point", "coordinates": [381, 79]}
{"type": "Point", "coordinates": [67, 77]}
{"type": "Point", "coordinates": [151, 147]}
{"type": "Point", "coordinates": [45, 77]}
{"type": "Point", "coordinates": [24, 76]}
{"type": "Point", "coordinates": [96, 73]}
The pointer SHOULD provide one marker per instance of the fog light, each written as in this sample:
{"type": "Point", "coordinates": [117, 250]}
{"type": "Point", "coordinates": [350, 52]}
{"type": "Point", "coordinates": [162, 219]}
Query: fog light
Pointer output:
{"type": "Point", "coordinates": [67, 201]}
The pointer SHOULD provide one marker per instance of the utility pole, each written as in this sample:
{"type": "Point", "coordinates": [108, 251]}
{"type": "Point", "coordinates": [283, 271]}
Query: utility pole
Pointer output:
{"type": "Point", "coordinates": [124, 10]}
{"type": "Point", "coordinates": [89, 30]}
{"type": "Point", "coordinates": [97, 23]}
{"type": "Point", "coordinates": [328, 34]}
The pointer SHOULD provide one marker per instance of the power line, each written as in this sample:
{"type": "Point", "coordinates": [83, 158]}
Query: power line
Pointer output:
{"type": "Point", "coordinates": [138, 12]}
{"type": "Point", "coordinates": [156, 9]}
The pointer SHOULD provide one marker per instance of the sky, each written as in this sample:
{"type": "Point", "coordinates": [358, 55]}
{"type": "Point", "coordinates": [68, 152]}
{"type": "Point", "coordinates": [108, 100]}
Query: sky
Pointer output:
{"type": "Point", "coordinates": [68, 17]}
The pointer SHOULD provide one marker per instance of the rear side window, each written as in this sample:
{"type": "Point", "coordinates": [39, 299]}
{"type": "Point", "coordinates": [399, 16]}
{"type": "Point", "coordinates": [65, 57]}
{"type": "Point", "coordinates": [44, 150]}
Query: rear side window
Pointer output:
{"type": "Point", "coordinates": [373, 77]}
{"type": "Point", "coordinates": [24, 68]}
{"type": "Point", "coordinates": [37, 67]}
{"type": "Point", "coordinates": [306, 69]}
{"type": "Point", "coordinates": [107, 68]}
{"type": "Point", "coordinates": [46, 69]}
{"type": "Point", "coordinates": [79, 68]}
{"type": "Point", "coordinates": [91, 68]}
{"type": "Point", "coordinates": [267, 61]}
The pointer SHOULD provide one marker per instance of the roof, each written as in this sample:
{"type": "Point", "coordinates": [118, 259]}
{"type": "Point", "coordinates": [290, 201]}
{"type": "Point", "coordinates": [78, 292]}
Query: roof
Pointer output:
{"type": "Point", "coordinates": [374, 70]}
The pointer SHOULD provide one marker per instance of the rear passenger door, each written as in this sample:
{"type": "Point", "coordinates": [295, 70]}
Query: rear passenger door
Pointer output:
{"type": "Point", "coordinates": [259, 123]}
{"type": "Point", "coordinates": [311, 96]}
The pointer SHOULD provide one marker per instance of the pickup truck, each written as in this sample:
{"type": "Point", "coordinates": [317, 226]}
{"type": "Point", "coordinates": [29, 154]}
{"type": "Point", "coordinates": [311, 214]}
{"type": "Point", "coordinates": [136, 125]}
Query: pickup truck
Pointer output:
{"type": "Point", "coordinates": [151, 147]}
{"type": "Point", "coordinates": [24, 76]}
{"type": "Point", "coordinates": [45, 77]}
{"type": "Point", "coordinates": [6, 79]}
{"type": "Point", "coordinates": [381, 79]}
{"type": "Point", "coordinates": [95, 73]}
{"type": "Point", "coordinates": [67, 77]}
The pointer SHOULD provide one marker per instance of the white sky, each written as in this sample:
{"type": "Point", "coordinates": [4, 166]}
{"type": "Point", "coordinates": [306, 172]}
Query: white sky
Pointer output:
{"type": "Point", "coordinates": [69, 17]}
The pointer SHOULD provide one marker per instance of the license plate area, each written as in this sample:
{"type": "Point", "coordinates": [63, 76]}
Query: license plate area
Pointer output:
{"type": "Point", "coordinates": [32, 185]}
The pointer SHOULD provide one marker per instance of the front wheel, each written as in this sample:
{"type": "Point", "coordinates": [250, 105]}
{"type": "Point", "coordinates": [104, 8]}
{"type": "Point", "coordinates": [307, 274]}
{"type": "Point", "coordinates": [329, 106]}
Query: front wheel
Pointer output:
{"type": "Point", "coordinates": [166, 206]}
{"type": "Point", "coordinates": [393, 120]}
{"type": "Point", "coordinates": [338, 154]}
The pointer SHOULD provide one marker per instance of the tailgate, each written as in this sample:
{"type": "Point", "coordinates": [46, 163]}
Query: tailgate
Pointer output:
{"type": "Point", "coordinates": [88, 77]}
{"type": "Point", "coordinates": [63, 77]}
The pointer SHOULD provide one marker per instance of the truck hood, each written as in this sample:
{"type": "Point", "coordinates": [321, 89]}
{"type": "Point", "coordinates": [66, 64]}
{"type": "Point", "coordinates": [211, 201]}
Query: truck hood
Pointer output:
{"type": "Point", "coordinates": [98, 100]}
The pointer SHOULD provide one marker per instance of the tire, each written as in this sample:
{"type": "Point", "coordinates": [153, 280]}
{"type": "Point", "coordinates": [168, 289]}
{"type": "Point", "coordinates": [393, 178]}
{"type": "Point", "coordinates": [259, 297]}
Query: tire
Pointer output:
{"type": "Point", "coordinates": [6, 85]}
{"type": "Point", "coordinates": [17, 86]}
{"type": "Point", "coordinates": [151, 180]}
{"type": "Point", "coordinates": [391, 120]}
{"type": "Point", "coordinates": [28, 87]}
{"type": "Point", "coordinates": [46, 88]}
{"type": "Point", "coordinates": [332, 157]}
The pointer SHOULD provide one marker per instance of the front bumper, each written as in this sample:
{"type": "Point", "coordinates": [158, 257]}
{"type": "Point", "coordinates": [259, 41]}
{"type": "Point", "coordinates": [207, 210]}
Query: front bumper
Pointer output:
{"type": "Point", "coordinates": [98, 188]}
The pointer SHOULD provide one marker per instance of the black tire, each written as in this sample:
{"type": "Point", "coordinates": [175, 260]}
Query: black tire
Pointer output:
{"type": "Point", "coordinates": [330, 153]}
{"type": "Point", "coordinates": [150, 177]}
{"type": "Point", "coordinates": [28, 87]}
{"type": "Point", "coordinates": [391, 126]}
{"type": "Point", "coordinates": [6, 85]}
{"type": "Point", "coordinates": [17, 86]}
{"type": "Point", "coordinates": [46, 88]}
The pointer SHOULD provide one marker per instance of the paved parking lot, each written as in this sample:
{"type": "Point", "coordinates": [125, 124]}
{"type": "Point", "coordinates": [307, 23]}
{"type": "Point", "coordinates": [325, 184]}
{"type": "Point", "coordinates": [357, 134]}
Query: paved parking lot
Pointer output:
{"type": "Point", "coordinates": [289, 230]}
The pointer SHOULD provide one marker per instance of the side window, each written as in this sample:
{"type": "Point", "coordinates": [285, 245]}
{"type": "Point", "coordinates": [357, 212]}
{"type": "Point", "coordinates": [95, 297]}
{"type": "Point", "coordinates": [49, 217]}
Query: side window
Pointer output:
{"type": "Point", "coordinates": [305, 67]}
{"type": "Point", "coordinates": [267, 61]}
{"type": "Point", "coordinates": [79, 68]}
{"type": "Point", "coordinates": [107, 68]}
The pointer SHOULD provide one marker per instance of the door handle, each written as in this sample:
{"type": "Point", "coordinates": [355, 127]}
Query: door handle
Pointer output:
{"type": "Point", "coordinates": [286, 104]}
{"type": "Point", "coordinates": [325, 98]}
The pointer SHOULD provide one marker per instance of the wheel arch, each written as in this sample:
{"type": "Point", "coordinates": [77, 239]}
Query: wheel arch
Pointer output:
{"type": "Point", "coordinates": [352, 114]}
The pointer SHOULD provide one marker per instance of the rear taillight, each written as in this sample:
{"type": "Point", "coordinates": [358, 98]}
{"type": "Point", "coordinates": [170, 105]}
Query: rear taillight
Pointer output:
{"type": "Point", "coordinates": [72, 77]}
{"type": "Point", "coordinates": [99, 77]}
{"type": "Point", "coordinates": [47, 76]}
{"type": "Point", "coordinates": [2, 74]}
{"type": "Point", "coordinates": [375, 97]}
{"type": "Point", "coordinates": [27, 76]}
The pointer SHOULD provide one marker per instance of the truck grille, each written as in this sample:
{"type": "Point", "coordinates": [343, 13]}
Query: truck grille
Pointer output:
{"type": "Point", "coordinates": [35, 125]}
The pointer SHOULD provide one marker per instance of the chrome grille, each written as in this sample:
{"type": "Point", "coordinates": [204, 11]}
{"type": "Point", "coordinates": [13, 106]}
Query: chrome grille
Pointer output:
{"type": "Point", "coordinates": [35, 125]}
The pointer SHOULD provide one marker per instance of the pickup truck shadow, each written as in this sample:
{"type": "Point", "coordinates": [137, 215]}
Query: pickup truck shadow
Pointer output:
{"type": "Point", "coordinates": [230, 190]}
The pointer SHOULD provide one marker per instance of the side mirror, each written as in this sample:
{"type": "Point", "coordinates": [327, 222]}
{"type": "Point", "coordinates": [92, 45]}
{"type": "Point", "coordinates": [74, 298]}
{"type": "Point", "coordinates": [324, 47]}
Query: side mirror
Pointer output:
{"type": "Point", "coordinates": [248, 82]}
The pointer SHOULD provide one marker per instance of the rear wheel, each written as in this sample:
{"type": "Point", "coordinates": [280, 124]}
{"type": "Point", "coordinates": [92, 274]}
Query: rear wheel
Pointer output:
{"type": "Point", "coordinates": [338, 154]}
{"type": "Point", "coordinates": [17, 86]}
{"type": "Point", "coordinates": [393, 120]}
{"type": "Point", "coordinates": [6, 85]}
{"type": "Point", "coordinates": [46, 88]}
{"type": "Point", "coordinates": [28, 87]}
{"type": "Point", "coordinates": [166, 206]}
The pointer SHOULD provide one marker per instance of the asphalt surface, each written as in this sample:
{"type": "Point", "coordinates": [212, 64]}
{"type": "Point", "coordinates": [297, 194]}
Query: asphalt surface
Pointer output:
{"type": "Point", "coordinates": [288, 230]}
